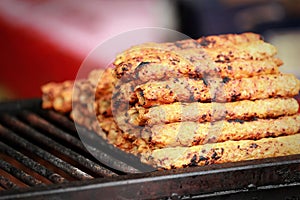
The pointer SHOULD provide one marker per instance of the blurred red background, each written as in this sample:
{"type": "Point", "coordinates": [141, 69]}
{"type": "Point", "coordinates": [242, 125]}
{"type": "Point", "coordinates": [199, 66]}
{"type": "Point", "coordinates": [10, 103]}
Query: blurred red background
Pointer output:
{"type": "Point", "coordinates": [43, 41]}
{"type": "Point", "coordinates": [29, 60]}
{"type": "Point", "coordinates": [47, 40]}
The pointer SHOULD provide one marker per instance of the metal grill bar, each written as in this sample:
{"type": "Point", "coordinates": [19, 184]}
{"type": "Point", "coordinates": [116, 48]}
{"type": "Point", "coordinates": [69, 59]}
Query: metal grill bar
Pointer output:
{"type": "Point", "coordinates": [28, 131]}
{"type": "Point", "coordinates": [71, 170]}
{"type": "Point", "coordinates": [38, 122]}
{"type": "Point", "coordinates": [7, 184]}
{"type": "Point", "coordinates": [54, 177]}
{"type": "Point", "coordinates": [24, 177]}
{"type": "Point", "coordinates": [60, 119]}
{"type": "Point", "coordinates": [104, 158]}
{"type": "Point", "coordinates": [116, 162]}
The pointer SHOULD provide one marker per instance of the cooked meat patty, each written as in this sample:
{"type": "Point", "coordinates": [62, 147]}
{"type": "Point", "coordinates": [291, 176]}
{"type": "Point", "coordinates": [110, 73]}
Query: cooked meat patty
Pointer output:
{"type": "Point", "coordinates": [204, 112]}
{"type": "Point", "coordinates": [58, 96]}
{"type": "Point", "coordinates": [220, 90]}
{"type": "Point", "coordinates": [194, 133]}
{"type": "Point", "coordinates": [147, 71]}
{"type": "Point", "coordinates": [229, 151]}
{"type": "Point", "coordinates": [189, 54]}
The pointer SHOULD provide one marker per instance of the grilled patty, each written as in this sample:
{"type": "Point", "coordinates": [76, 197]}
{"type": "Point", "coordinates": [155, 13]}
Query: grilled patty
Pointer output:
{"type": "Point", "coordinates": [220, 90]}
{"type": "Point", "coordinates": [194, 56]}
{"type": "Point", "coordinates": [153, 70]}
{"type": "Point", "coordinates": [205, 112]}
{"type": "Point", "coordinates": [58, 96]}
{"type": "Point", "coordinates": [229, 151]}
{"type": "Point", "coordinates": [194, 133]}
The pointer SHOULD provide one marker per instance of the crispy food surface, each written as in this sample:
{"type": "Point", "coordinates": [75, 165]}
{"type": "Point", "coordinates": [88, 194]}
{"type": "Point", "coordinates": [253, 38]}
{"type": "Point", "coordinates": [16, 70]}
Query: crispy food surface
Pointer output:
{"type": "Point", "coordinates": [58, 96]}
{"type": "Point", "coordinates": [220, 90]}
{"type": "Point", "coordinates": [189, 103]}
{"type": "Point", "coordinates": [229, 151]}
{"type": "Point", "coordinates": [194, 133]}
{"type": "Point", "coordinates": [207, 112]}
{"type": "Point", "coordinates": [230, 56]}
{"type": "Point", "coordinates": [151, 70]}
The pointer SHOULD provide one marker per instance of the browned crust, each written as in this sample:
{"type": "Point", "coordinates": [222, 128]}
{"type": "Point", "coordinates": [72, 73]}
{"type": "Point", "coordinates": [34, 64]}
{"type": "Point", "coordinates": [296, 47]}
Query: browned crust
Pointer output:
{"type": "Point", "coordinates": [194, 133]}
{"type": "Point", "coordinates": [220, 90]}
{"type": "Point", "coordinates": [229, 151]}
{"type": "Point", "coordinates": [58, 96]}
{"type": "Point", "coordinates": [206, 112]}
{"type": "Point", "coordinates": [228, 39]}
{"type": "Point", "coordinates": [153, 70]}
{"type": "Point", "coordinates": [211, 56]}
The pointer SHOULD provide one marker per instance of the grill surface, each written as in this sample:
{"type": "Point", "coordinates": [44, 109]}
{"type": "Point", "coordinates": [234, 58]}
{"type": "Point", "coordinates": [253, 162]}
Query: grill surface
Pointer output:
{"type": "Point", "coordinates": [43, 157]}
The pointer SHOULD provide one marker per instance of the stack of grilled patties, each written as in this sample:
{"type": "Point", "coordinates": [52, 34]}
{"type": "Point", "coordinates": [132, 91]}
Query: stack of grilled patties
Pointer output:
{"type": "Point", "coordinates": [212, 100]}
{"type": "Point", "coordinates": [88, 102]}
{"type": "Point", "coordinates": [192, 102]}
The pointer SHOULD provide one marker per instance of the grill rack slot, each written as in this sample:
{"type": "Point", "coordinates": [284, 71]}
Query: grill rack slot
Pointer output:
{"type": "Point", "coordinates": [21, 175]}
{"type": "Point", "coordinates": [70, 140]}
{"type": "Point", "coordinates": [7, 184]}
{"type": "Point", "coordinates": [47, 144]}
{"type": "Point", "coordinates": [71, 170]}
{"type": "Point", "coordinates": [50, 143]}
{"type": "Point", "coordinates": [41, 124]}
{"type": "Point", "coordinates": [35, 166]}
{"type": "Point", "coordinates": [59, 120]}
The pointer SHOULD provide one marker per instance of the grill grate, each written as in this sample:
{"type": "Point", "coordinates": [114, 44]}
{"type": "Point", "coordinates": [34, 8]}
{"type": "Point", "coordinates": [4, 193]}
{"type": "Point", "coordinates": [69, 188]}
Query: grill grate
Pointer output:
{"type": "Point", "coordinates": [40, 169]}
{"type": "Point", "coordinates": [52, 140]}
{"type": "Point", "coordinates": [12, 137]}
{"type": "Point", "coordinates": [42, 156]}
{"type": "Point", "coordinates": [26, 178]}
{"type": "Point", "coordinates": [7, 184]}
{"type": "Point", "coordinates": [53, 145]}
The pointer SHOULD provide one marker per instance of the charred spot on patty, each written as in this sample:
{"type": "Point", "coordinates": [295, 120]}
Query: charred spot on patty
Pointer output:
{"type": "Point", "coordinates": [226, 80]}
{"type": "Point", "coordinates": [193, 161]}
{"type": "Point", "coordinates": [253, 145]}
{"type": "Point", "coordinates": [142, 64]}
{"type": "Point", "coordinates": [205, 81]}
{"type": "Point", "coordinates": [202, 158]}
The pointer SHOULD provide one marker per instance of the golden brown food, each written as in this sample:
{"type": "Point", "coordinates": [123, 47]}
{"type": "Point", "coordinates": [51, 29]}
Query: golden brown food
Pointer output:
{"type": "Point", "coordinates": [229, 151]}
{"type": "Point", "coordinates": [204, 56]}
{"type": "Point", "coordinates": [58, 96]}
{"type": "Point", "coordinates": [104, 81]}
{"type": "Point", "coordinates": [92, 104]}
{"type": "Point", "coordinates": [194, 133]}
{"type": "Point", "coordinates": [191, 102]}
{"type": "Point", "coordinates": [205, 112]}
{"type": "Point", "coordinates": [257, 50]}
{"type": "Point", "coordinates": [147, 71]}
{"type": "Point", "coordinates": [228, 39]}
{"type": "Point", "coordinates": [220, 90]}
{"type": "Point", "coordinates": [123, 93]}
{"type": "Point", "coordinates": [92, 109]}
